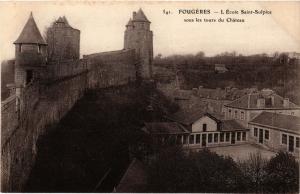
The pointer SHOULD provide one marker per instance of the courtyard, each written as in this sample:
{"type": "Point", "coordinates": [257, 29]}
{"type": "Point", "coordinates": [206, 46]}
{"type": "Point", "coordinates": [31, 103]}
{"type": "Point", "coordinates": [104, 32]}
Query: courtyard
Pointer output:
{"type": "Point", "coordinates": [242, 152]}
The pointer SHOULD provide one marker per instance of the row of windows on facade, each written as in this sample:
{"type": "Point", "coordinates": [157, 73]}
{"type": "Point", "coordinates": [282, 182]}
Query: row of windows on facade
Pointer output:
{"type": "Point", "coordinates": [265, 132]}
{"type": "Point", "coordinates": [222, 137]}
{"type": "Point", "coordinates": [235, 115]}
{"type": "Point", "coordinates": [284, 139]}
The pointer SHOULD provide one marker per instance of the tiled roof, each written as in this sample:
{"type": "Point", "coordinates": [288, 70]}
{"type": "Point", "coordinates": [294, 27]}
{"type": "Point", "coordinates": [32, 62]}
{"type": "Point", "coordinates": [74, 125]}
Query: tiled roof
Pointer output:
{"type": "Point", "coordinates": [231, 125]}
{"type": "Point", "coordinates": [165, 128]}
{"type": "Point", "coordinates": [140, 17]}
{"type": "Point", "coordinates": [30, 34]}
{"type": "Point", "coordinates": [281, 121]}
{"type": "Point", "coordinates": [249, 101]}
{"type": "Point", "coordinates": [187, 117]}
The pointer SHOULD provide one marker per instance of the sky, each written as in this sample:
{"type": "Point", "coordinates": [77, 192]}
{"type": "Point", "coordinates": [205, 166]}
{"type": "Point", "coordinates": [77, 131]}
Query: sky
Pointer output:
{"type": "Point", "coordinates": [102, 26]}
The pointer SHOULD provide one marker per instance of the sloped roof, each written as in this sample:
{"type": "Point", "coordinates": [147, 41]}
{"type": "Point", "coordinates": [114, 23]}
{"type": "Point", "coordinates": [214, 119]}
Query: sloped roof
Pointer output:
{"type": "Point", "coordinates": [231, 125]}
{"type": "Point", "coordinates": [279, 121]}
{"type": "Point", "coordinates": [165, 128]}
{"type": "Point", "coordinates": [249, 101]}
{"type": "Point", "coordinates": [187, 117]}
{"type": "Point", "coordinates": [62, 20]}
{"type": "Point", "coordinates": [221, 69]}
{"type": "Point", "coordinates": [140, 17]}
{"type": "Point", "coordinates": [30, 33]}
{"type": "Point", "coordinates": [129, 23]}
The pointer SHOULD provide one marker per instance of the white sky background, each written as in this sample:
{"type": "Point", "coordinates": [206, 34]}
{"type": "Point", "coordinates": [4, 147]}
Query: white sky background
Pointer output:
{"type": "Point", "coordinates": [102, 26]}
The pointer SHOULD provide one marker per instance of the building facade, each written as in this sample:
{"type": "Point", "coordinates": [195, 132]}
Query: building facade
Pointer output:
{"type": "Point", "coordinates": [249, 106]}
{"type": "Point", "coordinates": [276, 132]}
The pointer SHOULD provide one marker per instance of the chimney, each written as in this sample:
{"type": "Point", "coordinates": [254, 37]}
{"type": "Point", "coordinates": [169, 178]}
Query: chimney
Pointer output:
{"type": "Point", "coordinates": [261, 103]}
{"type": "Point", "coordinates": [286, 102]}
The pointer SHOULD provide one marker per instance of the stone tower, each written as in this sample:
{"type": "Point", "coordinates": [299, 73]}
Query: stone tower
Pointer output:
{"type": "Point", "coordinates": [63, 41]}
{"type": "Point", "coordinates": [30, 54]}
{"type": "Point", "coordinates": [30, 58]}
{"type": "Point", "coordinates": [138, 36]}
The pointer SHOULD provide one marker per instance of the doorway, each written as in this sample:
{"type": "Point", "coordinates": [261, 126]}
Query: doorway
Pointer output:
{"type": "Point", "coordinates": [203, 140]}
{"type": "Point", "coordinates": [233, 138]}
{"type": "Point", "coordinates": [261, 136]}
{"type": "Point", "coordinates": [291, 143]}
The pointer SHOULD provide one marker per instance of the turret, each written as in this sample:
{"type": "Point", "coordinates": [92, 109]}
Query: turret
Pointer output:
{"type": "Point", "coordinates": [30, 52]}
{"type": "Point", "coordinates": [31, 58]}
{"type": "Point", "coordinates": [138, 36]}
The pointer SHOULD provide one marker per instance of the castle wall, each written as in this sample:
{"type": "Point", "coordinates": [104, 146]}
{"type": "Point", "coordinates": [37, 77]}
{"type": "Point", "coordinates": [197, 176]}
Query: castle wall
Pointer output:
{"type": "Point", "coordinates": [45, 101]}
{"type": "Point", "coordinates": [111, 68]}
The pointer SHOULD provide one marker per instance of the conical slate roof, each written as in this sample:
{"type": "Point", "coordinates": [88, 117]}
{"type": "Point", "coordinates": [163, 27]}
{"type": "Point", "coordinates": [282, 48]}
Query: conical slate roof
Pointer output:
{"type": "Point", "coordinates": [140, 16]}
{"type": "Point", "coordinates": [129, 23]}
{"type": "Point", "coordinates": [30, 33]}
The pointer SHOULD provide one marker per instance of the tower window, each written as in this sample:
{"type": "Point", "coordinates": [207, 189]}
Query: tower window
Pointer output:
{"type": "Point", "coordinates": [29, 76]}
{"type": "Point", "coordinates": [39, 48]}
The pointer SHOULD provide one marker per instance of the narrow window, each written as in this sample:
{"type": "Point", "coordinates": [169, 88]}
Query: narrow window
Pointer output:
{"type": "Point", "coordinates": [229, 112]}
{"type": "Point", "coordinates": [238, 136]}
{"type": "Point", "coordinates": [191, 139]}
{"type": "Point", "coordinates": [222, 137]}
{"type": "Point", "coordinates": [20, 48]}
{"type": "Point", "coordinates": [197, 138]}
{"type": "Point", "coordinates": [297, 142]}
{"type": "Point", "coordinates": [210, 138]}
{"type": "Point", "coordinates": [29, 76]}
{"type": "Point", "coordinates": [284, 139]}
{"type": "Point", "coordinates": [255, 132]}
{"type": "Point", "coordinates": [267, 134]}
{"type": "Point", "coordinates": [227, 136]}
{"type": "Point", "coordinates": [244, 136]}
{"type": "Point", "coordinates": [39, 48]}
{"type": "Point", "coordinates": [242, 115]}
{"type": "Point", "coordinates": [235, 114]}
{"type": "Point", "coordinates": [204, 127]}
{"type": "Point", "coordinates": [216, 137]}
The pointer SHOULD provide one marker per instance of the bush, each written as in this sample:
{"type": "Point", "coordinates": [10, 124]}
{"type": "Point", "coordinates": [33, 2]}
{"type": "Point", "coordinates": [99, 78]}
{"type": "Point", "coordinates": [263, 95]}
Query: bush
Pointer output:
{"type": "Point", "coordinates": [282, 173]}
{"type": "Point", "coordinates": [253, 171]}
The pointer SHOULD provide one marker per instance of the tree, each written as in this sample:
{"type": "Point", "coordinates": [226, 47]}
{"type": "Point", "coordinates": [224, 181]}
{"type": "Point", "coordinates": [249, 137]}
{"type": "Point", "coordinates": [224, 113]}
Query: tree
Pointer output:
{"type": "Point", "coordinates": [282, 173]}
{"type": "Point", "coordinates": [217, 173]}
{"type": "Point", "coordinates": [171, 171]}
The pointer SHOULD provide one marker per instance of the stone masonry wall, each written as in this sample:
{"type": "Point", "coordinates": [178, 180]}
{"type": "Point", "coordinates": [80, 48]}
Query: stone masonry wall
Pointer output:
{"type": "Point", "coordinates": [46, 101]}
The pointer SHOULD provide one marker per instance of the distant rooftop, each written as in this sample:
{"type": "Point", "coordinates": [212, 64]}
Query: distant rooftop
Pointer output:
{"type": "Point", "coordinates": [231, 125]}
{"type": "Point", "coordinates": [278, 121]}
{"type": "Point", "coordinates": [249, 101]}
{"type": "Point", "coordinates": [165, 128]}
